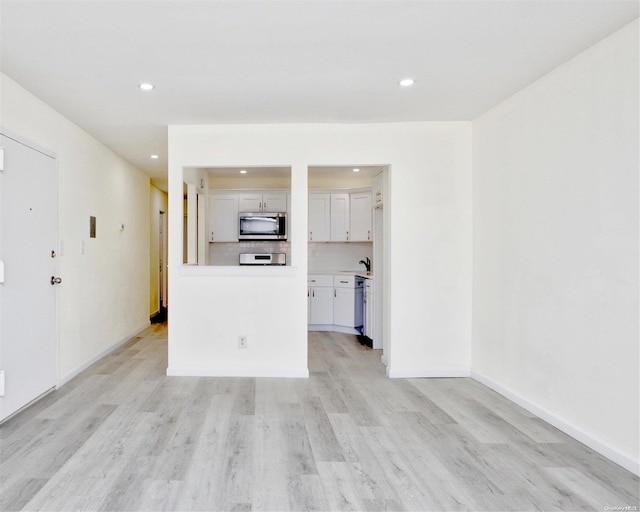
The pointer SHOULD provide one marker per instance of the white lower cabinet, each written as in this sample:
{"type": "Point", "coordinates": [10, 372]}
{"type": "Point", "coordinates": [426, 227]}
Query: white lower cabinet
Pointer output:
{"type": "Point", "coordinates": [335, 302]}
{"type": "Point", "coordinates": [320, 299]}
{"type": "Point", "coordinates": [368, 309]}
{"type": "Point", "coordinates": [343, 310]}
{"type": "Point", "coordinates": [347, 301]}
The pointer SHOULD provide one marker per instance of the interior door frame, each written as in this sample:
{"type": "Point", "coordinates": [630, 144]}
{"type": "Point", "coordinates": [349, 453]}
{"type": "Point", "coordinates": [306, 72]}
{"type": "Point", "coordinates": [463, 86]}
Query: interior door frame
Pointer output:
{"type": "Point", "coordinates": [26, 142]}
{"type": "Point", "coordinates": [162, 253]}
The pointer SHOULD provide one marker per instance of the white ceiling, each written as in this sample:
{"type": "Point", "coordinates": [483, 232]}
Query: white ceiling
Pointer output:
{"type": "Point", "coordinates": [234, 172]}
{"type": "Point", "coordinates": [286, 61]}
{"type": "Point", "coordinates": [327, 172]}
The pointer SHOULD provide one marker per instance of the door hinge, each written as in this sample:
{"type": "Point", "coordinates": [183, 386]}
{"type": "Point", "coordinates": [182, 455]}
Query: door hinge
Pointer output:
{"type": "Point", "coordinates": [1, 382]}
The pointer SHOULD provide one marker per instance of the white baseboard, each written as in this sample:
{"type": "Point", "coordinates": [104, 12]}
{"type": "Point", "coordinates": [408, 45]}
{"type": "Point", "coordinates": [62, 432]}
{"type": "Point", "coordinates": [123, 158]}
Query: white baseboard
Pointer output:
{"type": "Point", "coordinates": [590, 440]}
{"type": "Point", "coordinates": [331, 328]}
{"type": "Point", "coordinates": [288, 373]}
{"type": "Point", "coordinates": [417, 373]}
{"type": "Point", "coordinates": [74, 373]}
{"type": "Point", "coordinates": [319, 328]}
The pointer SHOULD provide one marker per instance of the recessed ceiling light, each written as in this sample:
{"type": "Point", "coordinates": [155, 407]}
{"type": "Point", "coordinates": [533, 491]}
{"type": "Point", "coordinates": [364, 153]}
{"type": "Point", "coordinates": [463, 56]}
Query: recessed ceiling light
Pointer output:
{"type": "Point", "coordinates": [243, 171]}
{"type": "Point", "coordinates": [356, 170]}
{"type": "Point", "coordinates": [146, 86]}
{"type": "Point", "coordinates": [407, 82]}
{"type": "Point", "coordinates": [155, 157]}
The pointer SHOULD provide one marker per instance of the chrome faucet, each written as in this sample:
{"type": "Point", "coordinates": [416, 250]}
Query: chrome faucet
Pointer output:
{"type": "Point", "coordinates": [367, 263]}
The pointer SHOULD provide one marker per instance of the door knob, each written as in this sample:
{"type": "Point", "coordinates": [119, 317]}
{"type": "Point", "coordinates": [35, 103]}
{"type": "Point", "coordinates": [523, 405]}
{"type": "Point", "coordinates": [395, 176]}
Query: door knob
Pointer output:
{"type": "Point", "coordinates": [55, 280]}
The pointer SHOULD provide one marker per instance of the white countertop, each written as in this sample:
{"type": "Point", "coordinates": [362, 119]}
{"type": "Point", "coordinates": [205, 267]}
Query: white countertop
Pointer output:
{"type": "Point", "coordinates": [358, 273]}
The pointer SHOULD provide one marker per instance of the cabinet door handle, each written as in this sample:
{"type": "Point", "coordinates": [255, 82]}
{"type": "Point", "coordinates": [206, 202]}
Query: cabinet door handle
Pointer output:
{"type": "Point", "coordinates": [264, 206]}
{"type": "Point", "coordinates": [310, 235]}
{"type": "Point", "coordinates": [334, 293]}
{"type": "Point", "coordinates": [307, 292]}
{"type": "Point", "coordinates": [368, 235]}
{"type": "Point", "coordinates": [313, 293]}
{"type": "Point", "coordinates": [347, 235]}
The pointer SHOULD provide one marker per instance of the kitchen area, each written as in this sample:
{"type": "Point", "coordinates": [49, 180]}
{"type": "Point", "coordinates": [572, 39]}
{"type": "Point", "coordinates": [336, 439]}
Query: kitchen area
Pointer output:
{"type": "Point", "coordinates": [244, 214]}
{"type": "Point", "coordinates": [343, 237]}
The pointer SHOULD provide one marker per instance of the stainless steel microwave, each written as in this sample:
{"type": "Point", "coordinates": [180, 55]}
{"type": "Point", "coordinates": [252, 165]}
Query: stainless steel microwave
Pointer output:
{"type": "Point", "coordinates": [263, 226]}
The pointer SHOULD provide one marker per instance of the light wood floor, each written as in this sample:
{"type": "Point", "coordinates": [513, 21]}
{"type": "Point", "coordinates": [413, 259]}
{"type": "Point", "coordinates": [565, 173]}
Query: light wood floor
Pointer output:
{"type": "Point", "coordinates": [123, 436]}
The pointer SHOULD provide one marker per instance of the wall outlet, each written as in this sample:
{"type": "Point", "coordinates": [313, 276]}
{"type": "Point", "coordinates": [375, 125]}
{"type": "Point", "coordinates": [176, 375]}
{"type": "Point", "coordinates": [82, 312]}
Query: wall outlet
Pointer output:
{"type": "Point", "coordinates": [242, 341]}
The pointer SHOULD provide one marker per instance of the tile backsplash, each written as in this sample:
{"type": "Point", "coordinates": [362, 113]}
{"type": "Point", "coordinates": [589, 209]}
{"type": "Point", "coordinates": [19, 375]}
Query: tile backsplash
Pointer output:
{"type": "Point", "coordinates": [322, 256]}
{"type": "Point", "coordinates": [228, 254]}
{"type": "Point", "coordinates": [338, 256]}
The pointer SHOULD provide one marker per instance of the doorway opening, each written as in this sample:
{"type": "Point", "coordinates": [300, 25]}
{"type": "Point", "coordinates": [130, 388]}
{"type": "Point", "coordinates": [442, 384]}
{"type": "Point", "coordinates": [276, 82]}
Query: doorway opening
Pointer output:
{"type": "Point", "coordinates": [161, 315]}
{"type": "Point", "coordinates": [346, 303]}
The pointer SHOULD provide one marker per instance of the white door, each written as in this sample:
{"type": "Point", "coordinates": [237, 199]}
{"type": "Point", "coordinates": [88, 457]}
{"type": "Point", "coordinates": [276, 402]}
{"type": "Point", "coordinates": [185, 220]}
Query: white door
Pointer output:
{"type": "Point", "coordinates": [28, 246]}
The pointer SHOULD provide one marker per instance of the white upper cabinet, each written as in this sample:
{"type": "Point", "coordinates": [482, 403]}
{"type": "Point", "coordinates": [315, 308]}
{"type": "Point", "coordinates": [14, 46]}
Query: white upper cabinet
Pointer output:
{"type": "Point", "coordinates": [274, 202]}
{"type": "Point", "coordinates": [339, 217]}
{"type": "Point", "coordinates": [250, 203]}
{"type": "Point", "coordinates": [319, 217]}
{"type": "Point", "coordinates": [360, 217]}
{"type": "Point", "coordinates": [378, 198]}
{"type": "Point", "coordinates": [223, 218]}
{"type": "Point", "coordinates": [256, 202]}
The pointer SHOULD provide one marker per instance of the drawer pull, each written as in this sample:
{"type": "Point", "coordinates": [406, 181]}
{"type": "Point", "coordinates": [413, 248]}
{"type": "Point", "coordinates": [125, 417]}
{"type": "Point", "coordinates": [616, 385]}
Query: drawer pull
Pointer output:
{"type": "Point", "coordinates": [345, 282]}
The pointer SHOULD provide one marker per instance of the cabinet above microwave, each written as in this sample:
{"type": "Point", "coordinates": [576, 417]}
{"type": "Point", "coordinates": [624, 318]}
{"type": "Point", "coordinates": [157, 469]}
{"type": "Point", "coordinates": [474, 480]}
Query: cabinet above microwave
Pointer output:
{"type": "Point", "coordinates": [225, 206]}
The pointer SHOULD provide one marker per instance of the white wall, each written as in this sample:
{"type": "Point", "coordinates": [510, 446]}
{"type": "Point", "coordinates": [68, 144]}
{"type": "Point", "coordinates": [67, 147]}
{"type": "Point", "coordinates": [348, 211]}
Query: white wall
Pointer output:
{"type": "Point", "coordinates": [555, 209]}
{"type": "Point", "coordinates": [428, 210]}
{"type": "Point", "coordinates": [158, 202]}
{"type": "Point", "coordinates": [104, 298]}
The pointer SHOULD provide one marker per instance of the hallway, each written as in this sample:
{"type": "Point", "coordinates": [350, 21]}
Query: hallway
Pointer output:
{"type": "Point", "coordinates": [123, 436]}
